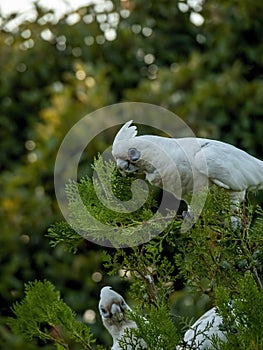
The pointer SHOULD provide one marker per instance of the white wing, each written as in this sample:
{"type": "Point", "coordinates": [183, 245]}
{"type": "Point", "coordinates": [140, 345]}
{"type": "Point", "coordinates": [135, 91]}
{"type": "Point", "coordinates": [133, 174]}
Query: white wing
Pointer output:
{"type": "Point", "coordinates": [230, 167]}
{"type": "Point", "coordinates": [200, 334]}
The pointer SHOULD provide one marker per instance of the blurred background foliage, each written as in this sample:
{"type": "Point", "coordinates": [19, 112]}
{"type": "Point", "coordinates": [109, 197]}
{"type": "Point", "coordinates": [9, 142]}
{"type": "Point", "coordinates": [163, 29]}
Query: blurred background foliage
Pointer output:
{"type": "Point", "coordinates": [202, 60]}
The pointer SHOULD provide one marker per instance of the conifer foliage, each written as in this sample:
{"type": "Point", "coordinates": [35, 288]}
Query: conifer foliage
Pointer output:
{"type": "Point", "coordinates": [43, 314]}
{"type": "Point", "coordinates": [210, 259]}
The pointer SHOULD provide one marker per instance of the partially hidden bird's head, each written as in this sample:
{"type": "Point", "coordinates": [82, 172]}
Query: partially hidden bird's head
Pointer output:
{"type": "Point", "coordinates": [113, 310]}
{"type": "Point", "coordinates": [112, 307]}
{"type": "Point", "coordinates": [131, 153]}
{"type": "Point", "coordinates": [123, 150]}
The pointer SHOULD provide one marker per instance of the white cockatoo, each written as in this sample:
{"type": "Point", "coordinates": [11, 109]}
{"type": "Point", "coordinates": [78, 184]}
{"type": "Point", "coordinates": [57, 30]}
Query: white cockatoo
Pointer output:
{"type": "Point", "coordinates": [113, 309]}
{"type": "Point", "coordinates": [203, 331]}
{"type": "Point", "coordinates": [182, 166]}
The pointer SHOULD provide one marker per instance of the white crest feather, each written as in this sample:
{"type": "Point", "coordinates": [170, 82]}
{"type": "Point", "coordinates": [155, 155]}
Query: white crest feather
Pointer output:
{"type": "Point", "coordinates": [126, 132]}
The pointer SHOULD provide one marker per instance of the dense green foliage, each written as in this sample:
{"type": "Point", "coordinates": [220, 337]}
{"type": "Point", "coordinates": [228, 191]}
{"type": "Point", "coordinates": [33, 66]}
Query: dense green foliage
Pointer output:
{"type": "Point", "coordinates": [42, 314]}
{"type": "Point", "coordinates": [54, 71]}
{"type": "Point", "coordinates": [242, 317]}
{"type": "Point", "coordinates": [211, 259]}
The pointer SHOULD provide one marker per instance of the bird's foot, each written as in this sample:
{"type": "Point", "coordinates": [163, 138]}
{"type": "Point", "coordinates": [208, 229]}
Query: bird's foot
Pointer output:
{"type": "Point", "coordinates": [235, 223]}
{"type": "Point", "coordinates": [187, 214]}
{"type": "Point", "coordinates": [189, 218]}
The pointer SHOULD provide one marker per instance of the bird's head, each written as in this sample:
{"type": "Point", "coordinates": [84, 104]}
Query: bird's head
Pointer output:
{"type": "Point", "coordinates": [112, 307]}
{"type": "Point", "coordinates": [131, 153]}
{"type": "Point", "coordinates": [125, 154]}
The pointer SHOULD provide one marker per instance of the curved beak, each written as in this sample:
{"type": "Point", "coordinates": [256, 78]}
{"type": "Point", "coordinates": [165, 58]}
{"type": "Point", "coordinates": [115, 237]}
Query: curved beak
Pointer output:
{"type": "Point", "coordinates": [122, 164]}
{"type": "Point", "coordinates": [125, 166]}
{"type": "Point", "coordinates": [116, 312]}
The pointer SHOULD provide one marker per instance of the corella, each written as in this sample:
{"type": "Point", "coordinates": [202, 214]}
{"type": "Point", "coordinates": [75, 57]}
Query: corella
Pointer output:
{"type": "Point", "coordinates": [183, 166]}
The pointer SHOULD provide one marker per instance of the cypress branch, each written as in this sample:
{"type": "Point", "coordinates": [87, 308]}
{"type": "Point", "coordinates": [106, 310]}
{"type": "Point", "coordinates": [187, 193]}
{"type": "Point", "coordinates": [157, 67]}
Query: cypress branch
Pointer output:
{"type": "Point", "coordinates": [43, 314]}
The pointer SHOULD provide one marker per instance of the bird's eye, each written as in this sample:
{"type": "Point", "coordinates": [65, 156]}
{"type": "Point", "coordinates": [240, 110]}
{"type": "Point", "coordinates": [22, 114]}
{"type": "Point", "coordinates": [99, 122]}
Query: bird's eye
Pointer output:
{"type": "Point", "coordinates": [134, 154]}
{"type": "Point", "coordinates": [104, 311]}
{"type": "Point", "coordinates": [123, 304]}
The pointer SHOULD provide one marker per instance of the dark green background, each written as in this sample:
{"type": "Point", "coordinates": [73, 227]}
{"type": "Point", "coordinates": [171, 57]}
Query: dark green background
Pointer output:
{"type": "Point", "coordinates": [209, 75]}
